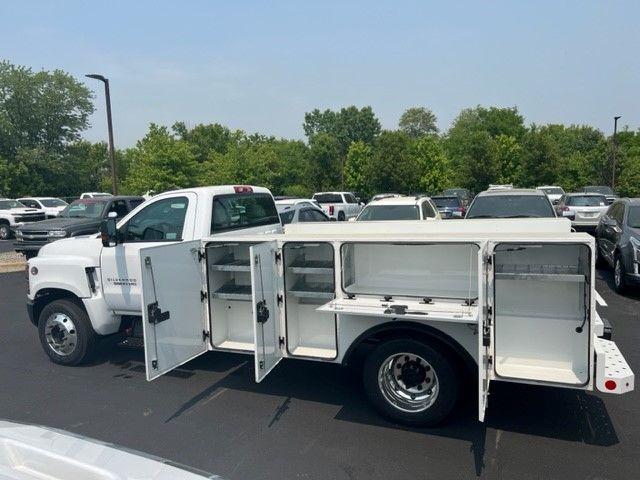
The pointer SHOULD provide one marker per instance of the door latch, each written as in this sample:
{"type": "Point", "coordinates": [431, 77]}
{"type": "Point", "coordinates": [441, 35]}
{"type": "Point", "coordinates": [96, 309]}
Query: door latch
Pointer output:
{"type": "Point", "coordinates": [280, 299]}
{"type": "Point", "coordinates": [262, 312]}
{"type": "Point", "coordinates": [156, 315]}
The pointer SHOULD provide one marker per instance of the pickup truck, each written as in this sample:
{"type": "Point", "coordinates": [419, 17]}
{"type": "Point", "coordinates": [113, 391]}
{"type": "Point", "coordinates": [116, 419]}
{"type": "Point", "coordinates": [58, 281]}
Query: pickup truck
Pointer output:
{"type": "Point", "coordinates": [81, 217]}
{"type": "Point", "coordinates": [14, 214]}
{"type": "Point", "coordinates": [431, 307]}
{"type": "Point", "coordinates": [80, 290]}
{"type": "Point", "coordinates": [338, 205]}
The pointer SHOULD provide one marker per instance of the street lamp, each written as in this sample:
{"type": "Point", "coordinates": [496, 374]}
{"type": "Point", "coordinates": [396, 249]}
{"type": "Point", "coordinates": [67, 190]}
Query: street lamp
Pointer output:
{"type": "Point", "coordinates": [112, 156]}
{"type": "Point", "coordinates": [615, 147]}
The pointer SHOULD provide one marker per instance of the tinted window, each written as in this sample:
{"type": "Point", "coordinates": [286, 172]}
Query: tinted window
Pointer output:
{"type": "Point", "coordinates": [30, 203]}
{"type": "Point", "coordinates": [510, 206]}
{"type": "Point", "coordinates": [328, 198]}
{"type": "Point", "coordinates": [617, 212]}
{"type": "Point", "coordinates": [633, 217]}
{"type": "Point", "coordinates": [311, 215]}
{"type": "Point", "coordinates": [599, 189]}
{"type": "Point", "coordinates": [389, 212]}
{"type": "Point", "coordinates": [444, 202]}
{"type": "Point", "coordinates": [427, 210]}
{"type": "Point", "coordinates": [135, 202]}
{"type": "Point", "coordinates": [350, 198]}
{"type": "Point", "coordinates": [287, 217]}
{"type": "Point", "coordinates": [586, 201]}
{"type": "Point", "coordinates": [553, 191]}
{"type": "Point", "coordinates": [84, 208]}
{"type": "Point", "coordinates": [120, 207]}
{"type": "Point", "coordinates": [236, 211]}
{"type": "Point", "coordinates": [53, 202]}
{"type": "Point", "coordinates": [160, 221]}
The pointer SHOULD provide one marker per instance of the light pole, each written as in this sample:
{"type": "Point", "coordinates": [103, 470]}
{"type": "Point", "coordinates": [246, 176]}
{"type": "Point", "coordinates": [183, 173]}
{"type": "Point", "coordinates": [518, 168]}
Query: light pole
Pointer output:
{"type": "Point", "coordinates": [112, 155]}
{"type": "Point", "coordinates": [615, 147]}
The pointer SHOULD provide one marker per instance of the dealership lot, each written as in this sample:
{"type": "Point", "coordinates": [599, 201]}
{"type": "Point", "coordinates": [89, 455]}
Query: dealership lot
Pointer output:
{"type": "Point", "coordinates": [311, 420]}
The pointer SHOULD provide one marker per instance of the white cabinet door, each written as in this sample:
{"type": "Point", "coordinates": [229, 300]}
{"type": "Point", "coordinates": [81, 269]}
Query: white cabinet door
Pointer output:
{"type": "Point", "coordinates": [173, 311]}
{"type": "Point", "coordinates": [485, 328]}
{"type": "Point", "coordinates": [266, 286]}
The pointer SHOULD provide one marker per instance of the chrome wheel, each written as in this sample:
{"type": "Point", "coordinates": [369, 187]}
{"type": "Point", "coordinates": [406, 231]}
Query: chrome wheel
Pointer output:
{"type": "Point", "coordinates": [408, 382]}
{"type": "Point", "coordinates": [617, 273]}
{"type": "Point", "coordinates": [60, 333]}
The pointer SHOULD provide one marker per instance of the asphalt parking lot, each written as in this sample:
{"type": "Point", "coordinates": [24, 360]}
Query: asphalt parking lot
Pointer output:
{"type": "Point", "coordinates": [309, 420]}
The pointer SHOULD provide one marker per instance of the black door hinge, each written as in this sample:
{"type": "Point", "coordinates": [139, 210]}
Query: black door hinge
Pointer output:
{"type": "Point", "coordinates": [280, 299]}
{"type": "Point", "coordinates": [489, 310]}
{"type": "Point", "coordinates": [469, 302]}
{"type": "Point", "coordinates": [201, 255]}
{"type": "Point", "coordinates": [156, 315]}
{"type": "Point", "coordinates": [154, 364]}
{"type": "Point", "coordinates": [261, 364]}
{"type": "Point", "coordinates": [203, 295]}
{"type": "Point", "coordinates": [262, 312]}
{"type": "Point", "coordinates": [281, 342]}
{"type": "Point", "coordinates": [205, 335]}
{"type": "Point", "coordinates": [486, 337]}
{"type": "Point", "coordinates": [278, 256]}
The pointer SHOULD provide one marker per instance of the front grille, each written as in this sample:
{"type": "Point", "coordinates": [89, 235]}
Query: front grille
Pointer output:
{"type": "Point", "coordinates": [29, 217]}
{"type": "Point", "coordinates": [34, 236]}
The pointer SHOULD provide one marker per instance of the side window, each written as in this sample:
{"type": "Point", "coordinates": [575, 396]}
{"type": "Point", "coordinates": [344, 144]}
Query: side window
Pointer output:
{"type": "Point", "coordinates": [287, 217]}
{"type": "Point", "coordinates": [160, 221]}
{"type": "Point", "coordinates": [427, 210]}
{"type": "Point", "coordinates": [619, 213]}
{"type": "Point", "coordinates": [120, 207]}
{"type": "Point", "coordinates": [134, 203]}
{"type": "Point", "coordinates": [318, 216]}
{"type": "Point", "coordinates": [305, 215]}
{"type": "Point", "coordinates": [350, 198]}
{"type": "Point", "coordinates": [30, 203]}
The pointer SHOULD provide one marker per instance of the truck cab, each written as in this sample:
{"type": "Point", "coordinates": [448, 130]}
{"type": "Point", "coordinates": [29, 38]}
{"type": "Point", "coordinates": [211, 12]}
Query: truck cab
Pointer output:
{"type": "Point", "coordinates": [80, 289]}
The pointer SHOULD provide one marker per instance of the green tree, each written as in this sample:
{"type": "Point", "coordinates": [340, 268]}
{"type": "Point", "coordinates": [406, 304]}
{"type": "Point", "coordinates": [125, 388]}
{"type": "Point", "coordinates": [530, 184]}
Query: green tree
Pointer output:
{"type": "Point", "coordinates": [40, 109]}
{"type": "Point", "coordinates": [161, 162]}
{"type": "Point", "coordinates": [393, 167]}
{"type": "Point", "coordinates": [435, 173]}
{"type": "Point", "coordinates": [325, 162]}
{"type": "Point", "coordinates": [205, 139]}
{"type": "Point", "coordinates": [418, 121]}
{"type": "Point", "coordinates": [348, 125]}
{"type": "Point", "coordinates": [628, 173]}
{"type": "Point", "coordinates": [358, 167]}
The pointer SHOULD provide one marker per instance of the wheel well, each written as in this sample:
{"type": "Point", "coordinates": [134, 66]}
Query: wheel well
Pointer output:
{"type": "Point", "coordinates": [424, 333]}
{"type": "Point", "coordinates": [48, 295]}
{"type": "Point", "coordinates": [4, 221]}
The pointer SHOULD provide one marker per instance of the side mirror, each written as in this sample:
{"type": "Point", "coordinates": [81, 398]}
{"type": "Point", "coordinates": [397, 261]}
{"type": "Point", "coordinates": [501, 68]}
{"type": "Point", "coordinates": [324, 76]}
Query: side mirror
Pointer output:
{"type": "Point", "coordinates": [556, 201]}
{"type": "Point", "coordinates": [108, 230]}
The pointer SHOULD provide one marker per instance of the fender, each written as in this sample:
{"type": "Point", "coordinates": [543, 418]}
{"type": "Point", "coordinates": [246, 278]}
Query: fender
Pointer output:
{"type": "Point", "coordinates": [401, 328]}
{"type": "Point", "coordinates": [63, 273]}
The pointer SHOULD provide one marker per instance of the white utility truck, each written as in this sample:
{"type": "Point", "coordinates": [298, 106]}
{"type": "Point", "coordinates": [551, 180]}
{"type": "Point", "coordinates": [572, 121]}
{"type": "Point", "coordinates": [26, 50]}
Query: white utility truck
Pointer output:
{"type": "Point", "coordinates": [509, 300]}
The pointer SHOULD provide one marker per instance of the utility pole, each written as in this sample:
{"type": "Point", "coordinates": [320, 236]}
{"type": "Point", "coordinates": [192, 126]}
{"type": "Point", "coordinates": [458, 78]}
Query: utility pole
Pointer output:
{"type": "Point", "coordinates": [112, 154]}
{"type": "Point", "coordinates": [614, 151]}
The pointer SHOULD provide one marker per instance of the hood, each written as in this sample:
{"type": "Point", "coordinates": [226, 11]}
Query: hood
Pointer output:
{"type": "Point", "coordinates": [60, 223]}
{"type": "Point", "coordinates": [88, 248]}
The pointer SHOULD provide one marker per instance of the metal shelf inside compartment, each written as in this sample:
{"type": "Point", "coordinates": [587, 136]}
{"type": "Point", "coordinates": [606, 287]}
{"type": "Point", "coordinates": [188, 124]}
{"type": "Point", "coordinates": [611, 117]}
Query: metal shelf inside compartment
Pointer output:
{"type": "Point", "coordinates": [312, 290]}
{"type": "Point", "coordinates": [232, 291]}
{"type": "Point", "coordinates": [547, 272]}
{"type": "Point", "coordinates": [231, 264]}
{"type": "Point", "coordinates": [303, 266]}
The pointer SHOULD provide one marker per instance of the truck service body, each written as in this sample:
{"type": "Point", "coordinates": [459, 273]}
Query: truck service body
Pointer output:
{"type": "Point", "coordinates": [431, 299]}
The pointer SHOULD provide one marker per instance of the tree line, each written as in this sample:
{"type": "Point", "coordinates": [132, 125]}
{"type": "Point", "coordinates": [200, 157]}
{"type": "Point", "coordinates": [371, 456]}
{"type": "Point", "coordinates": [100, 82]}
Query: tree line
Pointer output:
{"type": "Point", "coordinates": [43, 115]}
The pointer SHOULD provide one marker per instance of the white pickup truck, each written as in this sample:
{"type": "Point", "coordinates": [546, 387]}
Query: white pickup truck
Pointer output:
{"type": "Point", "coordinates": [426, 302]}
{"type": "Point", "coordinates": [338, 205]}
{"type": "Point", "coordinates": [14, 214]}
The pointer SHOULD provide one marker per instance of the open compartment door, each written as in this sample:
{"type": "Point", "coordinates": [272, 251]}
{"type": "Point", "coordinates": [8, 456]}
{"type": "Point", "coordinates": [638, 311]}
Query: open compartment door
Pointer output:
{"type": "Point", "coordinates": [485, 328]}
{"type": "Point", "coordinates": [266, 287]}
{"type": "Point", "coordinates": [173, 312]}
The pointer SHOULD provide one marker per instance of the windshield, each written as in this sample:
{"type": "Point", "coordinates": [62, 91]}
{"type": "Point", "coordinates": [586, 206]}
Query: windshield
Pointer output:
{"type": "Point", "coordinates": [444, 202]}
{"type": "Point", "coordinates": [86, 208]}
{"type": "Point", "coordinates": [456, 191]}
{"type": "Point", "coordinates": [328, 198]}
{"type": "Point", "coordinates": [599, 189]}
{"type": "Point", "coordinates": [633, 219]}
{"type": "Point", "coordinates": [587, 201]}
{"type": "Point", "coordinates": [389, 212]}
{"type": "Point", "coordinates": [7, 204]}
{"type": "Point", "coordinates": [552, 190]}
{"type": "Point", "coordinates": [236, 211]}
{"type": "Point", "coordinates": [511, 206]}
{"type": "Point", "coordinates": [53, 202]}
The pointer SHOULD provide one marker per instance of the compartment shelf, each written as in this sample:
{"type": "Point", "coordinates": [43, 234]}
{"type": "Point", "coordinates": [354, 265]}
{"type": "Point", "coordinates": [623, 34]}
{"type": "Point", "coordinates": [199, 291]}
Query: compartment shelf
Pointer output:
{"type": "Point", "coordinates": [304, 289]}
{"type": "Point", "coordinates": [318, 267]}
{"type": "Point", "coordinates": [231, 291]}
{"type": "Point", "coordinates": [541, 272]}
{"type": "Point", "coordinates": [231, 264]}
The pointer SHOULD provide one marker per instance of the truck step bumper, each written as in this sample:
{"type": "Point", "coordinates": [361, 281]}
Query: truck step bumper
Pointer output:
{"type": "Point", "coordinates": [613, 374]}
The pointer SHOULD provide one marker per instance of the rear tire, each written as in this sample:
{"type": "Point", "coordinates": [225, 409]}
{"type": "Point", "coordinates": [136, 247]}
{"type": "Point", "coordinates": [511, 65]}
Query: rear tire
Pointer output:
{"type": "Point", "coordinates": [5, 232]}
{"type": "Point", "coordinates": [341, 217]}
{"type": "Point", "coordinates": [411, 382]}
{"type": "Point", "coordinates": [65, 332]}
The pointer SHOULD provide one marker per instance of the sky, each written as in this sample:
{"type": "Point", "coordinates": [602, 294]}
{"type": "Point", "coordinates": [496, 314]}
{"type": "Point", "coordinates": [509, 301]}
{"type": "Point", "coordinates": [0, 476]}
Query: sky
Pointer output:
{"type": "Point", "coordinates": [259, 66]}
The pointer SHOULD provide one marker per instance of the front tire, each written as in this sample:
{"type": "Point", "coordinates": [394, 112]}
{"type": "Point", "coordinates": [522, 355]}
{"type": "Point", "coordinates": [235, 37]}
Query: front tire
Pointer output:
{"type": "Point", "coordinates": [5, 232]}
{"type": "Point", "coordinates": [65, 332]}
{"type": "Point", "coordinates": [411, 382]}
{"type": "Point", "coordinates": [619, 273]}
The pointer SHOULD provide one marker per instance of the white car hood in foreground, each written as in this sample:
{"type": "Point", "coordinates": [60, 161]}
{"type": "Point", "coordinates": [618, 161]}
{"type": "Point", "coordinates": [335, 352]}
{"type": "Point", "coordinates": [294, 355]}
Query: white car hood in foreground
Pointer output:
{"type": "Point", "coordinates": [29, 452]}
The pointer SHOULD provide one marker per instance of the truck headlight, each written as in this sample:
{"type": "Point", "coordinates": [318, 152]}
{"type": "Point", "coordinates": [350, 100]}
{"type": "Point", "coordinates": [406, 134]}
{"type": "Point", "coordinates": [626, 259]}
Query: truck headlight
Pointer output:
{"type": "Point", "coordinates": [18, 233]}
{"type": "Point", "coordinates": [57, 233]}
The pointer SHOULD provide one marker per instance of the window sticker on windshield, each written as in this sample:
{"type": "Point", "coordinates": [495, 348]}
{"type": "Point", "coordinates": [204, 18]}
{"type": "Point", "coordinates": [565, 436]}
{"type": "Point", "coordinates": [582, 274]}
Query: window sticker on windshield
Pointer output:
{"type": "Point", "coordinates": [171, 236]}
{"type": "Point", "coordinates": [178, 206]}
